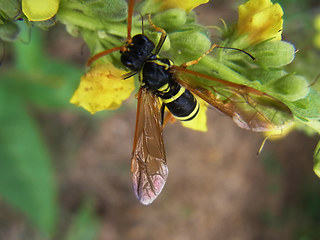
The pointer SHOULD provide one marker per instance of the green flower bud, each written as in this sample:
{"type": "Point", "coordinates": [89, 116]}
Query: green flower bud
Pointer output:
{"type": "Point", "coordinates": [170, 19]}
{"type": "Point", "coordinates": [273, 54]}
{"type": "Point", "coordinates": [111, 10]}
{"type": "Point", "coordinates": [188, 45]}
{"type": "Point", "coordinates": [290, 87]}
{"type": "Point", "coordinates": [264, 76]}
{"type": "Point", "coordinates": [150, 6]}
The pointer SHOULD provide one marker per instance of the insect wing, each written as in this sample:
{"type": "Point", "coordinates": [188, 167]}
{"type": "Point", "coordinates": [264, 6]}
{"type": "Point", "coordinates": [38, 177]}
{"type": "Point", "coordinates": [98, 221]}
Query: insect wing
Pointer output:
{"type": "Point", "coordinates": [149, 168]}
{"type": "Point", "coordinates": [249, 108]}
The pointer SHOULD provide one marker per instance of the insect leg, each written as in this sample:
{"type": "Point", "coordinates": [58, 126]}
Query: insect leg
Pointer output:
{"type": "Point", "coordinates": [130, 12]}
{"type": "Point", "coordinates": [163, 34]}
{"type": "Point", "coordinates": [163, 106]}
{"type": "Point", "coordinates": [193, 62]}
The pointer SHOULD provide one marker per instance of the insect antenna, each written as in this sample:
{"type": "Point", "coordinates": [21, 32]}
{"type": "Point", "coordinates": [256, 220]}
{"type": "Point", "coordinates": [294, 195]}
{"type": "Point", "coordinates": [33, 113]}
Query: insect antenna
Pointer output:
{"type": "Point", "coordinates": [240, 50]}
{"type": "Point", "coordinates": [142, 26]}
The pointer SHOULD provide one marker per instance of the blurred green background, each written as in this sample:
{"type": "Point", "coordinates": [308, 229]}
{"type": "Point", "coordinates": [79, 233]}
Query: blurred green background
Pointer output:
{"type": "Point", "coordinates": [65, 174]}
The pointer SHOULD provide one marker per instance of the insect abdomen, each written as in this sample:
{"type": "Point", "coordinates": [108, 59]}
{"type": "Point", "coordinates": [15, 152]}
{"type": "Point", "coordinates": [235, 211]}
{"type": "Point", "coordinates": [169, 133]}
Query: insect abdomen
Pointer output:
{"type": "Point", "coordinates": [156, 76]}
{"type": "Point", "coordinates": [180, 102]}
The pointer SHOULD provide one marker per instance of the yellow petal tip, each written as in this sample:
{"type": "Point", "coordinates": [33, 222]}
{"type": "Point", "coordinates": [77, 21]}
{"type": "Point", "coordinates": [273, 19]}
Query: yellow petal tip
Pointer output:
{"type": "Point", "coordinates": [39, 10]}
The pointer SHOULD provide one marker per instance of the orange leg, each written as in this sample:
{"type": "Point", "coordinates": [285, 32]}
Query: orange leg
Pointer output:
{"type": "Point", "coordinates": [193, 62]}
{"type": "Point", "coordinates": [163, 34]}
{"type": "Point", "coordinates": [130, 11]}
{"type": "Point", "coordinates": [122, 48]}
{"type": "Point", "coordinates": [168, 118]}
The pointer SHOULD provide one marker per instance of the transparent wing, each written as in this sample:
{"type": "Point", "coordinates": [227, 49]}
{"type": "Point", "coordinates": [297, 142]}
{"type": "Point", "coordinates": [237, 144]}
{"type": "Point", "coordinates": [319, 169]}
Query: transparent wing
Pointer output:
{"type": "Point", "coordinates": [249, 108]}
{"type": "Point", "coordinates": [149, 168]}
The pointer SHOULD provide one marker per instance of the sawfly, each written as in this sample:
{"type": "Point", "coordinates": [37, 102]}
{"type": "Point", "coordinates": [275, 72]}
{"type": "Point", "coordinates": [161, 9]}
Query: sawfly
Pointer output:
{"type": "Point", "coordinates": [164, 85]}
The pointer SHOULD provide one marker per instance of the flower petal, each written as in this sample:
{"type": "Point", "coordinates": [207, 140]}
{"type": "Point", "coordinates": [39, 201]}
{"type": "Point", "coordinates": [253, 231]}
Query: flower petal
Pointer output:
{"type": "Point", "coordinates": [260, 20]}
{"type": "Point", "coordinates": [102, 88]}
{"type": "Point", "coordinates": [40, 10]}
{"type": "Point", "coordinates": [186, 5]}
{"type": "Point", "coordinates": [199, 123]}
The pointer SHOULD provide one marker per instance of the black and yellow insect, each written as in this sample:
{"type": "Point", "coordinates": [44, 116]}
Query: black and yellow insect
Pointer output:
{"type": "Point", "coordinates": [165, 85]}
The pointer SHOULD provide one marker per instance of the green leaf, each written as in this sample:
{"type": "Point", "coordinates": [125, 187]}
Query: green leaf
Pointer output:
{"type": "Point", "coordinates": [26, 173]}
{"type": "Point", "coordinates": [45, 82]}
{"type": "Point", "coordinates": [316, 160]}
{"type": "Point", "coordinates": [52, 86]}
{"type": "Point", "coordinates": [85, 225]}
{"type": "Point", "coordinates": [308, 107]}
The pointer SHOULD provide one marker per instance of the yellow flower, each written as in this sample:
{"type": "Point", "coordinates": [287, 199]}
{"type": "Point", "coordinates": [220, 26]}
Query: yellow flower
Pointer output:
{"type": "Point", "coordinates": [39, 10]}
{"type": "Point", "coordinates": [199, 123]}
{"type": "Point", "coordinates": [186, 5]}
{"type": "Point", "coordinates": [260, 20]}
{"type": "Point", "coordinates": [102, 88]}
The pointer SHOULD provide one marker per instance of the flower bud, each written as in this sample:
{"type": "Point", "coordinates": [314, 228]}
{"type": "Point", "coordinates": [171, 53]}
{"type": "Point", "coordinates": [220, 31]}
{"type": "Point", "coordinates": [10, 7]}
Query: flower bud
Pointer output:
{"type": "Point", "coordinates": [273, 54]}
{"type": "Point", "coordinates": [188, 45]}
{"type": "Point", "coordinates": [291, 87]}
{"type": "Point", "coordinates": [171, 19]}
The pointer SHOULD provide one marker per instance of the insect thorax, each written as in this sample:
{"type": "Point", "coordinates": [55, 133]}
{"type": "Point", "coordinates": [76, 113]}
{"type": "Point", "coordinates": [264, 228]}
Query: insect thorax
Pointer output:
{"type": "Point", "coordinates": [156, 74]}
